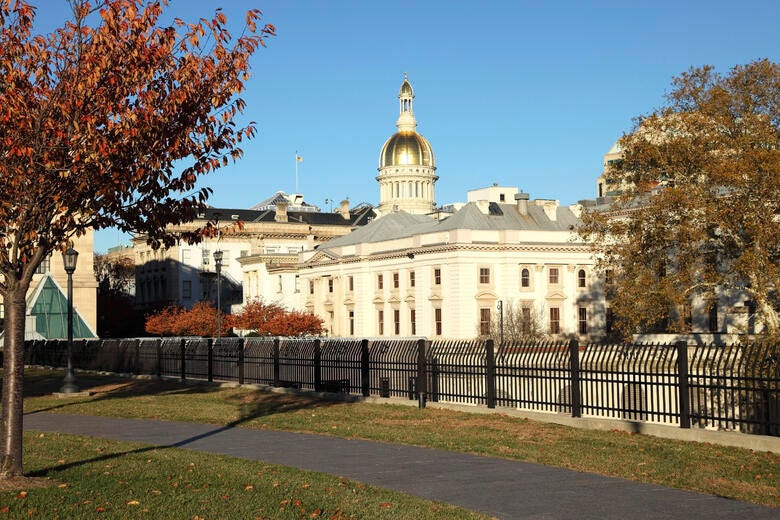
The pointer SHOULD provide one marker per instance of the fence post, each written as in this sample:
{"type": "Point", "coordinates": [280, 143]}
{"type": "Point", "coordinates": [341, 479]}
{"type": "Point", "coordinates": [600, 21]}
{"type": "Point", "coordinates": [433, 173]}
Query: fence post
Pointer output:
{"type": "Point", "coordinates": [210, 359]}
{"type": "Point", "coordinates": [158, 367]}
{"type": "Point", "coordinates": [276, 362]}
{"type": "Point", "coordinates": [422, 376]}
{"type": "Point", "coordinates": [682, 384]}
{"type": "Point", "coordinates": [490, 373]}
{"type": "Point", "coordinates": [240, 361]}
{"type": "Point", "coordinates": [365, 372]}
{"type": "Point", "coordinates": [574, 385]}
{"type": "Point", "coordinates": [183, 349]}
{"type": "Point", "coordinates": [317, 365]}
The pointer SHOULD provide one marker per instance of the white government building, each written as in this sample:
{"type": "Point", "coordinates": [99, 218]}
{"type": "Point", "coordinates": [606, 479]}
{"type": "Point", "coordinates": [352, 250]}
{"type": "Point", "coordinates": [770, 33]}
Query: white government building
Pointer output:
{"type": "Point", "coordinates": [419, 270]}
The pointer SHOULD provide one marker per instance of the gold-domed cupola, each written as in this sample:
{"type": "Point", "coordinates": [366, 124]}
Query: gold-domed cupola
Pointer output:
{"type": "Point", "coordinates": [407, 167]}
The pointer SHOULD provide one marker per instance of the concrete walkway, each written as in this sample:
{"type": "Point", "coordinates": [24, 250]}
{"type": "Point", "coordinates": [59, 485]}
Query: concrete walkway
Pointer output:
{"type": "Point", "coordinates": [498, 487]}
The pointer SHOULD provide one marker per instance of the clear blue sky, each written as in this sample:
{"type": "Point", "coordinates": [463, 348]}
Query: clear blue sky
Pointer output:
{"type": "Point", "coordinates": [527, 94]}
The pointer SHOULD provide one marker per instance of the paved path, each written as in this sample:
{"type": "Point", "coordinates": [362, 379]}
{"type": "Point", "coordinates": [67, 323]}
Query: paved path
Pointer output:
{"type": "Point", "coordinates": [502, 488]}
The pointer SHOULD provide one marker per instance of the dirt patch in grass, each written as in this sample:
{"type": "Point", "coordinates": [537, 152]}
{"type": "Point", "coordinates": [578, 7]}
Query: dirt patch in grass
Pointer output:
{"type": "Point", "coordinates": [23, 483]}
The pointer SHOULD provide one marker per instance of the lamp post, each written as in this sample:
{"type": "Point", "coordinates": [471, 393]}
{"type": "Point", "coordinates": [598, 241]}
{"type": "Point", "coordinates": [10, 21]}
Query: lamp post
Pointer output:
{"type": "Point", "coordinates": [218, 269]}
{"type": "Point", "coordinates": [69, 258]}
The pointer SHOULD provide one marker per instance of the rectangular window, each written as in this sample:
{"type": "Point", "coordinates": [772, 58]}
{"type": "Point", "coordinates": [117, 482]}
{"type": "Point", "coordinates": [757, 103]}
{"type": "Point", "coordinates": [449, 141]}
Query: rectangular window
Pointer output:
{"type": "Point", "coordinates": [582, 320]}
{"type": "Point", "coordinates": [411, 278]}
{"type": "Point", "coordinates": [396, 280]}
{"type": "Point", "coordinates": [437, 320]}
{"type": "Point", "coordinates": [330, 285]}
{"type": "Point", "coordinates": [380, 282]}
{"type": "Point", "coordinates": [484, 321]}
{"type": "Point", "coordinates": [186, 289]}
{"type": "Point", "coordinates": [525, 320]}
{"type": "Point", "coordinates": [380, 315]}
{"type": "Point", "coordinates": [279, 283]}
{"type": "Point", "coordinates": [687, 316]}
{"type": "Point", "coordinates": [44, 267]}
{"type": "Point", "coordinates": [351, 283]}
{"type": "Point", "coordinates": [297, 280]}
{"type": "Point", "coordinates": [311, 286]}
{"type": "Point", "coordinates": [553, 276]}
{"type": "Point", "coordinates": [206, 257]}
{"type": "Point", "coordinates": [185, 256]}
{"type": "Point", "coordinates": [713, 317]}
{"type": "Point", "coordinates": [437, 276]}
{"type": "Point", "coordinates": [484, 275]}
{"type": "Point", "coordinates": [351, 323]}
{"type": "Point", "coordinates": [555, 320]}
{"type": "Point", "coordinates": [396, 321]}
{"type": "Point", "coordinates": [413, 322]}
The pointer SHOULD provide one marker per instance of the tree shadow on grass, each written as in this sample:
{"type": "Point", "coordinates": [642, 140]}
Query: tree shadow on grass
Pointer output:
{"type": "Point", "coordinates": [250, 405]}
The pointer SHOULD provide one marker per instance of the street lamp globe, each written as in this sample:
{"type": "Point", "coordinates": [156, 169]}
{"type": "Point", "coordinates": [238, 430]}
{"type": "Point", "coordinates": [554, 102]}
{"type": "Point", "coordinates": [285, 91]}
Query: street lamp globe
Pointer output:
{"type": "Point", "coordinates": [69, 259]}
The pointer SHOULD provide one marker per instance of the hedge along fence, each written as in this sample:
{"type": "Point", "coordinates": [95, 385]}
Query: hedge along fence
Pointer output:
{"type": "Point", "coordinates": [729, 388]}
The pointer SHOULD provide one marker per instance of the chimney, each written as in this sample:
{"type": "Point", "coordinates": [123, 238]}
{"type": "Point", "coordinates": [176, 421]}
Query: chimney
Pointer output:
{"type": "Point", "coordinates": [281, 211]}
{"type": "Point", "coordinates": [522, 203]}
{"type": "Point", "coordinates": [345, 209]}
{"type": "Point", "coordinates": [551, 209]}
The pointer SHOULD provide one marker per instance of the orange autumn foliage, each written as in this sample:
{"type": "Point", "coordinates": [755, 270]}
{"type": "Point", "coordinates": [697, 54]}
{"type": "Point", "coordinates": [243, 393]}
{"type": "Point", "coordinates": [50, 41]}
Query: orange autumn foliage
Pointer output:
{"type": "Point", "coordinates": [107, 121]}
{"type": "Point", "coordinates": [200, 320]}
{"type": "Point", "coordinates": [271, 319]}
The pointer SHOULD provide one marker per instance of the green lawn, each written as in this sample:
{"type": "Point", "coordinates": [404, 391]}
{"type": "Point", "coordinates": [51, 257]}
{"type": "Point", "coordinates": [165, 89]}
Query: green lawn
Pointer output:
{"type": "Point", "coordinates": [718, 470]}
{"type": "Point", "coordinates": [95, 478]}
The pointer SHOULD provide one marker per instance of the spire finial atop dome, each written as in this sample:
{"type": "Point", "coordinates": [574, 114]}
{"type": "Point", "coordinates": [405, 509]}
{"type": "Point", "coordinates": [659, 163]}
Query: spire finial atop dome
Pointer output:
{"type": "Point", "coordinates": [406, 121]}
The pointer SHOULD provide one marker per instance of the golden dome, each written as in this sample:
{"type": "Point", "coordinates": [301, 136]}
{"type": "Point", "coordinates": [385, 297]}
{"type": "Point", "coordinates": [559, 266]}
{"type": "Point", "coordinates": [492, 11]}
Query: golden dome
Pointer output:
{"type": "Point", "coordinates": [406, 149]}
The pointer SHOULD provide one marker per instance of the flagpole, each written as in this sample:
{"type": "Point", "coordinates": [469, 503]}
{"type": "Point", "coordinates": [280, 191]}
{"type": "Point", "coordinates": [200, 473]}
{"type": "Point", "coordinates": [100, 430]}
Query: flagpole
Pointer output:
{"type": "Point", "coordinates": [296, 171]}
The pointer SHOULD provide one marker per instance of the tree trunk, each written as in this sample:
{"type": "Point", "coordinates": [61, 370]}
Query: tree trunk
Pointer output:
{"type": "Point", "coordinates": [13, 378]}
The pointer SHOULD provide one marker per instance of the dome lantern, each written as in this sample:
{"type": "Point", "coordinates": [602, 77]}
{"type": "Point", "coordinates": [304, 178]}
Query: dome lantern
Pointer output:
{"type": "Point", "coordinates": [407, 167]}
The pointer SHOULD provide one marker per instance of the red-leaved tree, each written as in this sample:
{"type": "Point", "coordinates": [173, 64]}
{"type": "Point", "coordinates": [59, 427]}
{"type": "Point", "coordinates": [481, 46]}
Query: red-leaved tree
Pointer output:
{"type": "Point", "coordinates": [271, 319]}
{"type": "Point", "coordinates": [200, 320]}
{"type": "Point", "coordinates": [107, 121]}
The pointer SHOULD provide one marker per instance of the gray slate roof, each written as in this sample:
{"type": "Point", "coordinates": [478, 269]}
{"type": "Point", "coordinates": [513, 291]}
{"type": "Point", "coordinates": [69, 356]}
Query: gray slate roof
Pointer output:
{"type": "Point", "coordinates": [501, 216]}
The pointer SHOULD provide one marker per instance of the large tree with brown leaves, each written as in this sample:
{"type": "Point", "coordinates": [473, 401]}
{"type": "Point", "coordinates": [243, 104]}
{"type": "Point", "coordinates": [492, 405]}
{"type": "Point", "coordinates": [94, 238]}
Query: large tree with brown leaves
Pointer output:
{"type": "Point", "coordinates": [699, 213]}
{"type": "Point", "coordinates": [107, 121]}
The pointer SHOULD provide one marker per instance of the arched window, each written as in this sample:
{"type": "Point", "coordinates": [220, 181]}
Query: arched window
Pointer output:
{"type": "Point", "coordinates": [581, 278]}
{"type": "Point", "coordinates": [525, 278]}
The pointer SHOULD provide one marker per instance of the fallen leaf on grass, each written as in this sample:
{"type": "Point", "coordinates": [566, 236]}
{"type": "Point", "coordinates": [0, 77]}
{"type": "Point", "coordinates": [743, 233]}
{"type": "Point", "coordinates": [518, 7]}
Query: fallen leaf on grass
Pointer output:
{"type": "Point", "coordinates": [6, 509]}
{"type": "Point", "coordinates": [249, 487]}
{"type": "Point", "coordinates": [316, 513]}
{"type": "Point", "coordinates": [133, 503]}
{"type": "Point", "coordinates": [62, 486]}
{"type": "Point", "coordinates": [385, 504]}
{"type": "Point", "coordinates": [21, 494]}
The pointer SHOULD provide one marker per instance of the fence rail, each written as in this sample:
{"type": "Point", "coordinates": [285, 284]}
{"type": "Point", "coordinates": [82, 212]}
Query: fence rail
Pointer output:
{"type": "Point", "coordinates": [718, 387]}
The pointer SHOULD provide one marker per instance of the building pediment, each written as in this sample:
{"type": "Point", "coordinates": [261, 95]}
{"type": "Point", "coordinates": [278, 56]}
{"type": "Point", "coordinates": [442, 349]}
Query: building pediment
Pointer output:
{"type": "Point", "coordinates": [321, 257]}
{"type": "Point", "coordinates": [556, 295]}
{"type": "Point", "coordinates": [486, 295]}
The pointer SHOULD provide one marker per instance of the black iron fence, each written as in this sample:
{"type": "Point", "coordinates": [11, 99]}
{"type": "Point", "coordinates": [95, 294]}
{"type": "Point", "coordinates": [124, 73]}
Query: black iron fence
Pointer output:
{"type": "Point", "coordinates": [718, 387]}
